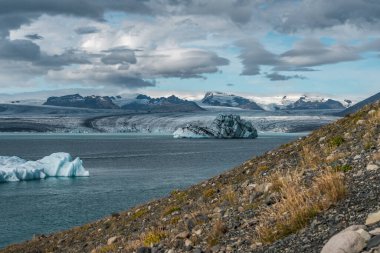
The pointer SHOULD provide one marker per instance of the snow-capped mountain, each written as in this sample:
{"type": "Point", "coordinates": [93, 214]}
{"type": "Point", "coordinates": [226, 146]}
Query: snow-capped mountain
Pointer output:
{"type": "Point", "coordinates": [76, 100]}
{"type": "Point", "coordinates": [316, 103]}
{"type": "Point", "coordinates": [229, 100]}
{"type": "Point", "coordinates": [293, 102]}
{"type": "Point", "coordinates": [146, 103]}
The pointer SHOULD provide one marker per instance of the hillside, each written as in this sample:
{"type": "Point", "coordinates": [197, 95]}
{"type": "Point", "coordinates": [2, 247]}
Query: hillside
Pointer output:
{"type": "Point", "coordinates": [292, 199]}
{"type": "Point", "coordinates": [356, 107]}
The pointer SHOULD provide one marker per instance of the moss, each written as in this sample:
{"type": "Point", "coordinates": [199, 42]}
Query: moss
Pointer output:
{"type": "Point", "coordinates": [344, 168]}
{"type": "Point", "coordinates": [170, 209]}
{"type": "Point", "coordinates": [336, 141]}
{"type": "Point", "coordinates": [153, 237]}
{"type": "Point", "coordinates": [139, 213]}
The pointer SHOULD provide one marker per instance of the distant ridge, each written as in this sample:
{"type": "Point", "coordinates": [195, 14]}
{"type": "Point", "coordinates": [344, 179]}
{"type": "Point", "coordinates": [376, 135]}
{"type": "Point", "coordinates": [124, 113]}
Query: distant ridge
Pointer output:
{"type": "Point", "coordinates": [356, 107]}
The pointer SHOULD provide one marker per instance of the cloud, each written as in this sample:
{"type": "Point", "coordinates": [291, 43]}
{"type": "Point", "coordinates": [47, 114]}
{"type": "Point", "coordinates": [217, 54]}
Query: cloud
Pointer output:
{"type": "Point", "coordinates": [34, 36]}
{"type": "Point", "coordinates": [86, 30]}
{"type": "Point", "coordinates": [20, 50]}
{"type": "Point", "coordinates": [279, 77]}
{"type": "Point", "coordinates": [304, 56]}
{"type": "Point", "coordinates": [119, 56]}
{"type": "Point", "coordinates": [293, 16]}
{"type": "Point", "coordinates": [253, 55]}
{"type": "Point", "coordinates": [230, 84]}
{"type": "Point", "coordinates": [14, 13]}
{"type": "Point", "coordinates": [180, 63]}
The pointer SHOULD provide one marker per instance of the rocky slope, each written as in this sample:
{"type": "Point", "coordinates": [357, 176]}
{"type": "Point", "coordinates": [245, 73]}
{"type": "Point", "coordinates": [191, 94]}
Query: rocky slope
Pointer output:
{"type": "Point", "coordinates": [291, 199]}
{"type": "Point", "coordinates": [223, 127]}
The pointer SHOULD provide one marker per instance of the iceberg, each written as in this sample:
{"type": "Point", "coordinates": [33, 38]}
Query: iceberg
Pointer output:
{"type": "Point", "coordinates": [13, 168]}
{"type": "Point", "coordinates": [224, 126]}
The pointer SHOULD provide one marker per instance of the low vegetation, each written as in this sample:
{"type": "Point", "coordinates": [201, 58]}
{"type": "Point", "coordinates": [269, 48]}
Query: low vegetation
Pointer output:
{"type": "Point", "coordinates": [298, 203]}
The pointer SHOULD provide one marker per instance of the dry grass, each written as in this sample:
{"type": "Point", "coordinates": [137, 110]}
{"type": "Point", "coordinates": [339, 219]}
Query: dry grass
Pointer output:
{"type": "Point", "coordinates": [230, 195]}
{"type": "Point", "coordinates": [217, 231]}
{"type": "Point", "coordinates": [298, 204]}
{"type": "Point", "coordinates": [208, 193]}
{"type": "Point", "coordinates": [310, 158]}
{"type": "Point", "coordinates": [107, 249]}
{"type": "Point", "coordinates": [131, 246]}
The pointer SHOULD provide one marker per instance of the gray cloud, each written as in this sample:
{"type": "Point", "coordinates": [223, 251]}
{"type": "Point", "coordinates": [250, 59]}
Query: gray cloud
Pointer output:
{"type": "Point", "coordinates": [67, 58]}
{"type": "Point", "coordinates": [14, 13]}
{"type": "Point", "coordinates": [183, 64]}
{"type": "Point", "coordinates": [119, 56]}
{"type": "Point", "coordinates": [87, 30]}
{"type": "Point", "coordinates": [292, 16]}
{"type": "Point", "coordinates": [304, 56]}
{"type": "Point", "coordinates": [20, 50]}
{"type": "Point", "coordinates": [279, 77]}
{"type": "Point", "coordinates": [253, 55]}
{"type": "Point", "coordinates": [34, 36]}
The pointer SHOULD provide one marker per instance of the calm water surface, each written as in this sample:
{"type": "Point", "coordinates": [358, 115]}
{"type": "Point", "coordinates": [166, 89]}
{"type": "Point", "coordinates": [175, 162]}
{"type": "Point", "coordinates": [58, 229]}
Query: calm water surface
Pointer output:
{"type": "Point", "coordinates": [124, 171]}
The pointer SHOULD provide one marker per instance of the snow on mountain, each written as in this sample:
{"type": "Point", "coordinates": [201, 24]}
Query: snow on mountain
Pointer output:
{"type": "Point", "coordinates": [13, 168]}
{"type": "Point", "coordinates": [146, 103]}
{"type": "Point", "coordinates": [273, 103]}
{"type": "Point", "coordinates": [76, 100]}
{"type": "Point", "coordinates": [229, 100]}
{"type": "Point", "coordinates": [303, 102]}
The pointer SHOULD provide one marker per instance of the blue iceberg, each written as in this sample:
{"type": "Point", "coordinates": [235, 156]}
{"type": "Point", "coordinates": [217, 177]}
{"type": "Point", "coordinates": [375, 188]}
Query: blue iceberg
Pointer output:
{"type": "Point", "coordinates": [13, 168]}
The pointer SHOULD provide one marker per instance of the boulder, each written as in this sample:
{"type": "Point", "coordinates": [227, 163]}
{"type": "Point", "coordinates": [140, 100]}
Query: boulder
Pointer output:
{"type": "Point", "coordinates": [345, 242]}
{"type": "Point", "coordinates": [373, 218]}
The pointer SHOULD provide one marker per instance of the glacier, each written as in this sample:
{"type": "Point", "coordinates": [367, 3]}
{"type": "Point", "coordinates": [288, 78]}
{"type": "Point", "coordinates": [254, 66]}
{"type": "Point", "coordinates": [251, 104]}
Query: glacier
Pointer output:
{"type": "Point", "coordinates": [13, 168]}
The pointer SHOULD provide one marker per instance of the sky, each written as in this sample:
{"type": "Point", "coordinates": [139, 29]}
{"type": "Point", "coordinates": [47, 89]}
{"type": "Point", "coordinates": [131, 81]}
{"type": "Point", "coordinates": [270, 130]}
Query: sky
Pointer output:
{"type": "Point", "coordinates": [188, 47]}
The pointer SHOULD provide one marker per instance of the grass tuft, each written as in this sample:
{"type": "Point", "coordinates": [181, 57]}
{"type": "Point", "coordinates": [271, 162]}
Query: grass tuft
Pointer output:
{"type": "Point", "coordinates": [299, 204]}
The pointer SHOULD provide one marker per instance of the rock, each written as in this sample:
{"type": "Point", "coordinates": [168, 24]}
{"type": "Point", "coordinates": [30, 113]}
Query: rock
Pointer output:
{"type": "Point", "coordinates": [360, 122]}
{"type": "Point", "coordinates": [190, 224]}
{"type": "Point", "coordinates": [188, 243]}
{"type": "Point", "coordinates": [223, 127]}
{"type": "Point", "coordinates": [355, 228]}
{"type": "Point", "coordinates": [345, 242]}
{"type": "Point", "coordinates": [144, 250]}
{"type": "Point", "coordinates": [198, 232]}
{"type": "Point", "coordinates": [371, 167]}
{"type": "Point", "coordinates": [373, 218]}
{"type": "Point", "coordinates": [183, 235]}
{"type": "Point", "coordinates": [364, 234]}
{"type": "Point", "coordinates": [375, 231]}
{"type": "Point", "coordinates": [374, 242]}
{"type": "Point", "coordinates": [197, 251]}
{"type": "Point", "coordinates": [112, 240]}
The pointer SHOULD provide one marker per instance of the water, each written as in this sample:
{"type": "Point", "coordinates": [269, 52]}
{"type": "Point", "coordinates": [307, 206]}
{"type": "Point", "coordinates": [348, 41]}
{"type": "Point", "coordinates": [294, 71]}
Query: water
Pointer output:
{"type": "Point", "coordinates": [124, 171]}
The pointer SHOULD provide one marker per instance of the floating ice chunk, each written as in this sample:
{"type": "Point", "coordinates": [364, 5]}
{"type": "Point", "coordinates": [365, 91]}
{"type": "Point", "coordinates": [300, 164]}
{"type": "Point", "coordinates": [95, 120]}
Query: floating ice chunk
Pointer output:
{"type": "Point", "coordinates": [13, 168]}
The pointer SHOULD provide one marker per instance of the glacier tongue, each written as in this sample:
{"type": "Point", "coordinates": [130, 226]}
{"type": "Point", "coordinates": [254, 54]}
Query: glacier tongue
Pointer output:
{"type": "Point", "coordinates": [13, 168]}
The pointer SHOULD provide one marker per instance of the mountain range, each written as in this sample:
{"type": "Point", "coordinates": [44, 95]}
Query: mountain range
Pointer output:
{"type": "Point", "coordinates": [172, 103]}
{"type": "Point", "coordinates": [139, 103]}
{"type": "Point", "coordinates": [272, 104]}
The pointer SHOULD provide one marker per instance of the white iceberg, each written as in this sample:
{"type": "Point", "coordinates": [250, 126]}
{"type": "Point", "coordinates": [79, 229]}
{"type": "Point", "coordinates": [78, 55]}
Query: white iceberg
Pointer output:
{"type": "Point", "coordinates": [13, 168]}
